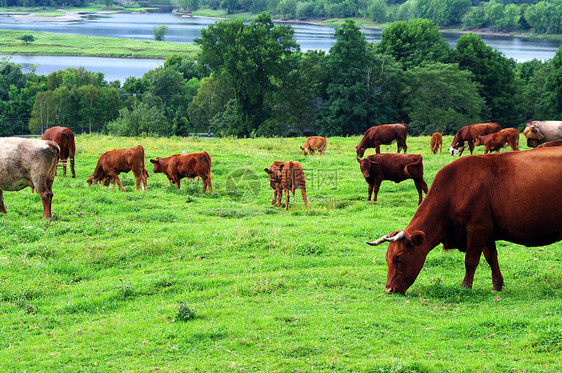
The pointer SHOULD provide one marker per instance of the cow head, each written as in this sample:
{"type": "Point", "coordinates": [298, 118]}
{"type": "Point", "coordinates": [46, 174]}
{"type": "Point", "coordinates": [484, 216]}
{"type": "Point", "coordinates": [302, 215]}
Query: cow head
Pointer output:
{"type": "Point", "coordinates": [360, 151]}
{"type": "Point", "coordinates": [454, 150]}
{"type": "Point", "coordinates": [274, 173]}
{"type": "Point", "coordinates": [404, 257]}
{"type": "Point", "coordinates": [157, 166]}
{"type": "Point", "coordinates": [533, 135]}
{"type": "Point", "coordinates": [365, 165]}
{"type": "Point", "coordinates": [90, 180]}
{"type": "Point", "coordinates": [304, 150]}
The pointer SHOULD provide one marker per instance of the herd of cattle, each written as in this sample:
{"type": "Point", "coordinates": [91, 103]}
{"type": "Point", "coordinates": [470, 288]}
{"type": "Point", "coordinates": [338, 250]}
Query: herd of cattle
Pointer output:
{"type": "Point", "coordinates": [473, 201]}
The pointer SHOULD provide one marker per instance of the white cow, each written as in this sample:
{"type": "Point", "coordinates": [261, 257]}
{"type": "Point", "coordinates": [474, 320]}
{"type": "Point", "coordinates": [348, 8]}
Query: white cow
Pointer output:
{"type": "Point", "coordinates": [540, 131]}
{"type": "Point", "coordinates": [32, 163]}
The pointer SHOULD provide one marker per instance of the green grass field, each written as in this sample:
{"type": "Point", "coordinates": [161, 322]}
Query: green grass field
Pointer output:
{"type": "Point", "coordinates": [47, 43]}
{"type": "Point", "coordinates": [102, 287]}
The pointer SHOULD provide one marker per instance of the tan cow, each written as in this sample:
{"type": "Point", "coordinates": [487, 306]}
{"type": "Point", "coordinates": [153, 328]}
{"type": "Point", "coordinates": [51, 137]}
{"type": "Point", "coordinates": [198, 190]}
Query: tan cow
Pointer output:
{"type": "Point", "coordinates": [30, 163]}
{"type": "Point", "coordinates": [436, 143]}
{"type": "Point", "coordinates": [314, 143]}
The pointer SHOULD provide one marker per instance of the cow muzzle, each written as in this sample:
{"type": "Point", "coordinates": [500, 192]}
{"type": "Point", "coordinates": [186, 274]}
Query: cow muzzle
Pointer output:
{"type": "Point", "coordinates": [453, 151]}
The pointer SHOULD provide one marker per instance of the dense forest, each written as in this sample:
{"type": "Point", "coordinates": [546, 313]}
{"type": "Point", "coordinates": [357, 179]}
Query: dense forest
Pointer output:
{"type": "Point", "coordinates": [499, 15]}
{"type": "Point", "coordinates": [253, 80]}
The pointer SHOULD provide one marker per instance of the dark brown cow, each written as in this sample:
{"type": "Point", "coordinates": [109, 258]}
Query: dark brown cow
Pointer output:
{"type": "Point", "coordinates": [495, 141]}
{"type": "Point", "coordinates": [469, 133]}
{"type": "Point", "coordinates": [436, 143]}
{"type": "Point", "coordinates": [178, 166]}
{"type": "Point", "coordinates": [393, 167]}
{"type": "Point", "coordinates": [314, 143]}
{"type": "Point", "coordinates": [551, 144]}
{"type": "Point", "coordinates": [286, 177]}
{"type": "Point", "coordinates": [64, 137]}
{"type": "Point", "coordinates": [113, 162]}
{"type": "Point", "coordinates": [28, 163]}
{"type": "Point", "coordinates": [384, 134]}
{"type": "Point", "coordinates": [475, 201]}
{"type": "Point", "coordinates": [539, 131]}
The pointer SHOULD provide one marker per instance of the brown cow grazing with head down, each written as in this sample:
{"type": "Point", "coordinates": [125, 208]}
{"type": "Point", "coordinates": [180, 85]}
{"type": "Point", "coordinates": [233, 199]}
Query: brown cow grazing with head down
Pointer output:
{"type": "Point", "coordinates": [64, 137]}
{"type": "Point", "coordinates": [393, 167]}
{"type": "Point", "coordinates": [30, 163]}
{"type": "Point", "coordinates": [178, 166]}
{"type": "Point", "coordinates": [436, 143]}
{"type": "Point", "coordinates": [286, 177]}
{"type": "Point", "coordinates": [113, 162]}
{"type": "Point", "coordinates": [314, 143]}
{"type": "Point", "coordinates": [468, 134]}
{"type": "Point", "coordinates": [384, 134]}
{"type": "Point", "coordinates": [539, 131]}
{"type": "Point", "coordinates": [495, 141]}
{"type": "Point", "coordinates": [475, 201]}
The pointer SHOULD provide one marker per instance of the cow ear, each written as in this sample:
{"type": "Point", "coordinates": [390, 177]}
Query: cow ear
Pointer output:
{"type": "Point", "coordinates": [417, 238]}
{"type": "Point", "coordinates": [302, 148]}
{"type": "Point", "coordinates": [267, 170]}
{"type": "Point", "coordinates": [153, 161]}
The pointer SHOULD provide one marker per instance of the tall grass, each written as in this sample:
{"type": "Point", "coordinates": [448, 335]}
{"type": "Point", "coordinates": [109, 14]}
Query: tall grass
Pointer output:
{"type": "Point", "coordinates": [104, 285]}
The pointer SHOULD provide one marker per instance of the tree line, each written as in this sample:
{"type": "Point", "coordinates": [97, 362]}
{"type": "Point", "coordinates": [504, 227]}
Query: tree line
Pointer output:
{"type": "Point", "coordinates": [253, 80]}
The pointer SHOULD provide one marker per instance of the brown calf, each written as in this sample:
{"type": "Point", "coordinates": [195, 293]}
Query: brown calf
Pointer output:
{"type": "Point", "coordinates": [285, 177]}
{"type": "Point", "coordinates": [314, 143]}
{"type": "Point", "coordinates": [64, 138]}
{"type": "Point", "coordinates": [393, 167]}
{"type": "Point", "coordinates": [113, 162]}
{"type": "Point", "coordinates": [495, 141]}
{"type": "Point", "coordinates": [179, 166]}
{"type": "Point", "coordinates": [436, 143]}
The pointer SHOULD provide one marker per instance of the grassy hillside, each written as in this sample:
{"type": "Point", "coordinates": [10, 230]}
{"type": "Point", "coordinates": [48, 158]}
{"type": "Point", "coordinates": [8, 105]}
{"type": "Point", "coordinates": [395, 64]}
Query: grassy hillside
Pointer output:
{"type": "Point", "coordinates": [48, 43]}
{"type": "Point", "coordinates": [102, 286]}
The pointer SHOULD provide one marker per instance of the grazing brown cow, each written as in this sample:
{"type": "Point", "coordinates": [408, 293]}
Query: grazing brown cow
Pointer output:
{"type": "Point", "coordinates": [475, 201]}
{"type": "Point", "coordinates": [539, 131]}
{"type": "Point", "coordinates": [178, 166]}
{"type": "Point", "coordinates": [314, 143]}
{"type": "Point", "coordinates": [436, 143]}
{"type": "Point", "coordinates": [28, 163]}
{"type": "Point", "coordinates": [64, 137]}
{"type": "Point", "coordinates": [113, 162]}
{"type": "Point", "coordinates": [468, 134]}
{"type": "Point", "coordinates": [495, 141]}
{"type": "Point", "coordinates": [384, 134]}
{"type": "Point", "coordinates": [286, 177]}
{"type": "Point", "coordinates": [393, 167]}
{"type": "Point", "coordinates": [550, 144]}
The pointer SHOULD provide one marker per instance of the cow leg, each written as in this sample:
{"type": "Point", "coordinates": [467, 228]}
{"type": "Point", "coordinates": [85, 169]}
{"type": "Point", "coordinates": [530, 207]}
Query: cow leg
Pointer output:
{"type": "Point", "coordinates": [2, 207]}
{"type": "Point", "coordinates": [303, 192]}
{"type": "Point", "coordinates": [286, 190]}
{"type": "Point", "coordinates": [377, 147]}
{"type": "Point", "coordinates": [491, 255]}
{"type": "Point", "coordinates": [63, 162]}
{"type": "Point", "coordinates": [138, 180]}
{"type": "Point", "coordinates": [420, 186]}
{"type": "Point", "coordinates": [370, 192]}
{"type": "Point", "coordinates": [475, 246]}
{"type": "Point", "coordinates": [72, 168]}
{"type": "Point", "coordinates": [115, 178]}
{"type": "Point", "coordinates": [280, 196]}
{"type": "Point", "coordinates": [471, 146]}
{"type": "Point", "coordinates": [207, 181]}
{"type": "Point", "coordinates": [44, 189]}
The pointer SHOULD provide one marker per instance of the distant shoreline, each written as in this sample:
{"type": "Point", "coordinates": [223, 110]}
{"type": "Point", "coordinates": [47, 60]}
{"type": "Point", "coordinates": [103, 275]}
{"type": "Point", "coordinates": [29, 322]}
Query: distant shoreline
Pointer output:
{"type": "Point", "coordinates": [78, 15]}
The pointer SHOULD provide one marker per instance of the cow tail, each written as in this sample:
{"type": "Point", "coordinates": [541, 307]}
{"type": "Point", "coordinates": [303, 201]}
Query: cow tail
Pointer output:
{"type": "Point", "coordinates": [55, 151]}
{"type": "Point", "coordinates": [416, 163]}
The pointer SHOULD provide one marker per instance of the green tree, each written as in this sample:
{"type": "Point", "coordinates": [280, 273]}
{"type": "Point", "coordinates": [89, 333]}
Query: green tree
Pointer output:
{"type": "Point", "coordinates": [27, 38]}
{"type": "Point", "coordinates": [378, 11]}
{"type": "Point", "coordinates": [495, 74]}
{"type": "Point", "coordinates": [89, 110]}
{"type": "Point", "coordinates": [211, 98]}
{"type": "Point", "coordinates": [142, 118]}
{"type": "Point", "coordinates": [443, 12]}
{"type": "Point", "coordinates": [413, 43]}
{"type": "Point", "coordinates": [42, 115]}
{"type": "Point", "coordinates": [441, 97]}
{"type": "Point", "coordinates": [160, 32]}
{"type": "Point", "coordinates": [188, 5]}
{"type": "Point", "coordinates": [554, 87]}
{"type": "Point", "coordinates": [251, 58]}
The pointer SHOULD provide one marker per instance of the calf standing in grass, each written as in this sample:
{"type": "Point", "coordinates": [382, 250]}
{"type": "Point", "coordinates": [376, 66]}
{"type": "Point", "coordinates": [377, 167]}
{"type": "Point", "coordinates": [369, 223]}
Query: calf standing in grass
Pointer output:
{"type": "Point", "coordinates": [28, 163]}
{"type": "Point", "coordinates": [436, 143]}
{"type": "Point", "coordinates": [314, 143]}
{"type": "Point", "coordinates": [178, 166]}
{"type": "Point", "coordinates": [113, 162]}
{"type": "Point", "coordinates": [495, 141]}
{"type": "Point", "coordinates": [285, 177]}
{"type": "Point", "coordinates": [393, 167]}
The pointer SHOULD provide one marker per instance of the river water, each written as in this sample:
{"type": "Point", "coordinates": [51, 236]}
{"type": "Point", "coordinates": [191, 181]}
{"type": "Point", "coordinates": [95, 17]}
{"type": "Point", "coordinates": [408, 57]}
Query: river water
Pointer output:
{"type": "Point", "coordinates": [186, 29]}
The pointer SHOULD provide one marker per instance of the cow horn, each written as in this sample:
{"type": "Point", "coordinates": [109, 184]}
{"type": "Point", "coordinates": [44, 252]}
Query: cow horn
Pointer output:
{"type": "Point", "coordinates": [387, 238]}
